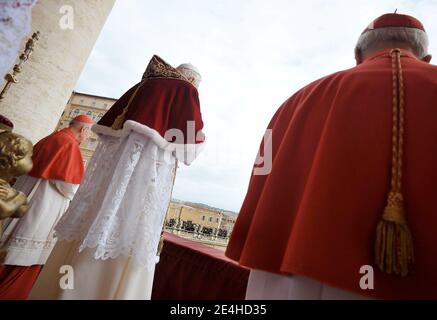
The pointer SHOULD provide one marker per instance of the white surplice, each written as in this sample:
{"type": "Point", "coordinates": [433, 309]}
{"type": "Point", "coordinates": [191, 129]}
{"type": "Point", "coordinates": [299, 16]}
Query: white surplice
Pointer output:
{"type": "Point", "coordinates": [30, 240]}
{"type": "Point", "coordinates": [269, 286]}
{"type": "Point", "coordinates": [110, 233]}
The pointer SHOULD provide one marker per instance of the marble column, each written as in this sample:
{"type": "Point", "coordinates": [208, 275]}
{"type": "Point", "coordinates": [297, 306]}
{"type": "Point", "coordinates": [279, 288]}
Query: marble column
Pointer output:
{"type": "Point", "coordinates": [69, 30]}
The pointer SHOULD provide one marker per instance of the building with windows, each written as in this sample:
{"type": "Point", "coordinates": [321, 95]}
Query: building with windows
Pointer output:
{"type": "Point", "coordinates": [200, 219]}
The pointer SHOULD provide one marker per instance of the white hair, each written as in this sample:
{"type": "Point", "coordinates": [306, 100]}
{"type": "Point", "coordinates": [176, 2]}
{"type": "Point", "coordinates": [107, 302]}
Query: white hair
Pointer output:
{"type": "Point", "coordinates": [415, 38]}
{"type": "Point", "coordinates": [79, 125]}
{"type": "Point", "coordinates": [190, 71]}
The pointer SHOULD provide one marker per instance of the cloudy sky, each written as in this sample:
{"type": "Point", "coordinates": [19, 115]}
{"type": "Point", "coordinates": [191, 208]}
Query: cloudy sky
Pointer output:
{"type": "Point", "coordinates": [253, 55]}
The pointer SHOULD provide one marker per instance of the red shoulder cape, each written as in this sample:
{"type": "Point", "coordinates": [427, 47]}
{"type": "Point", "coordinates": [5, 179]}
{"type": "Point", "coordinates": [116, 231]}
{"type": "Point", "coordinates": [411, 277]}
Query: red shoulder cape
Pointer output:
{"type": "Point", "coordinates": [163, 100]}
{"type": "Point", "coordinates": [316, 213]}
{"type": "Point", "coordinates": [160, 104]}
{"type": "Point", "coordinates": [58, 157]}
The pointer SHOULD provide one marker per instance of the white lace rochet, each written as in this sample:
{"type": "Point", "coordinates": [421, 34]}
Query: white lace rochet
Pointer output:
{"type": "Point", "coordinates": [120, 207]}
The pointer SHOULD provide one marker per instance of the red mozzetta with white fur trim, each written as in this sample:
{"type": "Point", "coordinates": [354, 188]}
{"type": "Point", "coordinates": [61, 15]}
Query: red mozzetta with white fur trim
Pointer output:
{"type": "Point", "coordinates": [161, 104]}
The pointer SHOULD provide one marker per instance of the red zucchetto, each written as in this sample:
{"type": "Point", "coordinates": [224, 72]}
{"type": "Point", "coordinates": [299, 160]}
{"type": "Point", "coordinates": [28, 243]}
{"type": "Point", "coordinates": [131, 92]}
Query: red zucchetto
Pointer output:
{"type": "Point", "coordinates": [395, 20]}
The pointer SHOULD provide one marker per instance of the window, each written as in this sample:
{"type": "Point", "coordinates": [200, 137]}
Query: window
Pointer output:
{"type": "Point", "coordinates": [74, 113]}
{"type": "Point", "coordinates": [217, 220]}
{"type": "Point", "coordinates": [203, 218]}
{"type": "Point", "coordinates": [210, 219]}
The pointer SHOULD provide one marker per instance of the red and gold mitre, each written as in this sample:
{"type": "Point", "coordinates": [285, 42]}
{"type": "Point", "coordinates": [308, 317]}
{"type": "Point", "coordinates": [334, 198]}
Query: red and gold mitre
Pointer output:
{"type": "Point", "coordinates": [158, 68]}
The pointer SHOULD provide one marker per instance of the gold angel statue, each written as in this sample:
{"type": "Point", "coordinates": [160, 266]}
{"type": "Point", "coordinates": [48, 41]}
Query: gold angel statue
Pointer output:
{"type": "Point", "coordinates": [15, 161]}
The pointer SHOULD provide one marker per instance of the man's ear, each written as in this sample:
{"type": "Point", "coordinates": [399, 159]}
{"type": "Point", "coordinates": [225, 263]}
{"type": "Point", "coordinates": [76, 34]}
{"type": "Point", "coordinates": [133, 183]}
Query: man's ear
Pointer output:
{"type": "Point", "coordinates": [83, 129]}
{"type": "Point", "coordinates": [358, 56]}
{"type": "Point", "coordinates": [428, 58]}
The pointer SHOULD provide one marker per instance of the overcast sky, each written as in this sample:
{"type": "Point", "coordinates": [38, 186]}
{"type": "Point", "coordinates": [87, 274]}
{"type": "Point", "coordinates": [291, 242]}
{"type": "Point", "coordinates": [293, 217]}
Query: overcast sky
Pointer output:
{"type": "Point", "coordinates": [253, 55]}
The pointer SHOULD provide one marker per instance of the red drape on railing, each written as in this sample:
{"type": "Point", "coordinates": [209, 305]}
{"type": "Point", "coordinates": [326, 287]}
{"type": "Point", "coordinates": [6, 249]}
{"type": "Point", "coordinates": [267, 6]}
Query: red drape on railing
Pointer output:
{"type": "Point", "coordinates": [191, 271]}
{"type": "Point", "coordinates": [16, 281]}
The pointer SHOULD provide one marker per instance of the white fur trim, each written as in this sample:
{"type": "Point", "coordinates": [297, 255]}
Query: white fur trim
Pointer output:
{"type": "Point", "coordinates": [180, 150]}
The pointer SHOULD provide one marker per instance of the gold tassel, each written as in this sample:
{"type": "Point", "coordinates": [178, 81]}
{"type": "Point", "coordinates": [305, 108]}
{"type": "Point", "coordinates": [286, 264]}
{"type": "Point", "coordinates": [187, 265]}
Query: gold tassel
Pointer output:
{"type": "Point", "coordinates": [119, 121]}
{"type": "Point", "coordinates": [394, 253]}
{"type": "Point", "coordinates": [394, 242]}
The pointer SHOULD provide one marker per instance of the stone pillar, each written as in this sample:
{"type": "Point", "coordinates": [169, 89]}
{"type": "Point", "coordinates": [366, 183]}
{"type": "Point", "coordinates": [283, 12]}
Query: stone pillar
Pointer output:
{"type": "Point", "coordinates": [35, 104]}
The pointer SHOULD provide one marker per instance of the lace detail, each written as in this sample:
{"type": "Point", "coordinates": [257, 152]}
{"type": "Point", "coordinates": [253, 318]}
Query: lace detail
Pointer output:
{"type": "Point", "coordinates": [121, 205]}
{"type": "Point", "coordinates": [31, 244]}
{"type": "Point", "coordinates": [15, 21]}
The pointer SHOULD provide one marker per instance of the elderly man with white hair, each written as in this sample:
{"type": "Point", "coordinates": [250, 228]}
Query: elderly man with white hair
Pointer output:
{"type": "Point", "coordinates": [347, 210]}
{"type": "Point", "coordinates": [50, 186]}
{"type": "Point", "coordinates": [111, 232]}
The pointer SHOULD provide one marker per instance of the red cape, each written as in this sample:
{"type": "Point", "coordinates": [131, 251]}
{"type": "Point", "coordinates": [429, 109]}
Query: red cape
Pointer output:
{"type": "Point", "coordinates": [316, 213]}
{"type": "Point", "coordinates": [164, 101]}
{"type": "Point", "coordinates": [58, 157]}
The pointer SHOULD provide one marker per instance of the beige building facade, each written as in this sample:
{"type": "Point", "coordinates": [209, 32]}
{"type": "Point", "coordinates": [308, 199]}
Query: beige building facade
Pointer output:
{"type": "Point", "coordinates": [199, 218]}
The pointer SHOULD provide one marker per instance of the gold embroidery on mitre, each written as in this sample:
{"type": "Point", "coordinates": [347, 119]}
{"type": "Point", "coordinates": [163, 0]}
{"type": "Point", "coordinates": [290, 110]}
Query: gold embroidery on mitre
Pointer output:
{"type": "Point", "coordinates": [156, 69]}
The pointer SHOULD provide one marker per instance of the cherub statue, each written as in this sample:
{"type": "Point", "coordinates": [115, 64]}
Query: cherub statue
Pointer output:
{"type": "Point", "coordinates": [15, 161]}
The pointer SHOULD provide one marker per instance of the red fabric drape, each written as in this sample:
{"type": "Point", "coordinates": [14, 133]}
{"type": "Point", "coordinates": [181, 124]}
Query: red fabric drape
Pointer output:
{"type": "Point", "coordinates": [160, 104]}
{"type": "Point", "coordinates": [16, 282]}
{"type": "Point", "coordinates": [192, 271]}
{"type": "Point", "coordinates": [58, 157]}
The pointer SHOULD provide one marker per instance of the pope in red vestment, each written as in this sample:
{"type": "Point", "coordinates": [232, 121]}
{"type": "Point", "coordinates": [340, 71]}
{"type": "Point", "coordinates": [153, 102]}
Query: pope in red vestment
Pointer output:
{"type": "Point", "coordinates": [50, 185]}
{"type": "Point", "coordinates": [353, 176]}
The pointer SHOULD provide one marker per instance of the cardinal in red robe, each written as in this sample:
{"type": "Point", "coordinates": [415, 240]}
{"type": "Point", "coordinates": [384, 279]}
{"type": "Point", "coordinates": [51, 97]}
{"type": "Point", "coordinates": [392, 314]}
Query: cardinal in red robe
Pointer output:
{"type": "Point", "coordinates": [50, 186]}
{"type": "Point", "coordinates": [347, 209]}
